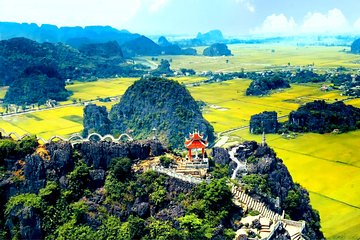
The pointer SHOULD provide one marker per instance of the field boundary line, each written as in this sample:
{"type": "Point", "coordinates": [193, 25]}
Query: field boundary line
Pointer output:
{"type": "Point", "coordinates": [333, 199]}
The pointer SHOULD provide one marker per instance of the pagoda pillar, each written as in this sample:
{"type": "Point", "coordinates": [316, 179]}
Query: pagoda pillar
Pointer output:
{"type": "Point", "coordinates": [190, 154]}
{"type": "Point", "coordinates": [203, 152]}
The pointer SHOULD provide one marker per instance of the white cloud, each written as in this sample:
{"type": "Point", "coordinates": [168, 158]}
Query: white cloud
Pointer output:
{"type": "Point", "coordinates": [249, 6]}
{"type": "Point", "coordinates": [277, 24]}
{"type": "Point", "coordinates": [70, 12]}
{"type": "Point", "coordinates": [357, 25]}
{"type": "Point", "coordinates": [156, 5]}
{"type": "Point", "coordinates": [333, 21]}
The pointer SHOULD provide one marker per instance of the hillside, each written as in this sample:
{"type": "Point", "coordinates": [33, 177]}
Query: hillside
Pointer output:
{"type": "Point", "coordinates": [355, 47]}
{"type": "Point", "coordinates": [108, 49]}
{"type": "Point", "coordinates": [151, 103]}
{"type": "Point", "coordinates": [144, 46]}
{"type": "Point", "coordinates": [140, 46]}
{"type": "Point", "coordinates": [37, 84]}
{"type": "Point", "coordinates": [162, 104]}
{"type": "Point", "coordinates": [17, 54]}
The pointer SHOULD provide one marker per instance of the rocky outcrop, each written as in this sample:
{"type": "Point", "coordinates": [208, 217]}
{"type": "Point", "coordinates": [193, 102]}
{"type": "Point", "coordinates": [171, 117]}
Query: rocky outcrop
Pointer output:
{"type": "Point", "coordinates": [99, 154]}
{"type": "Point", "coordinates": [162, 104]}
{"type": "Point", "coordinates": [96, 120]}
{"type": "Point", "coordinates": [28, 220]}
{"type": "Point", "coordinates": [264, 122]}
{"type": "Point", "coordinates": [268, 179]}
{"type": "Point", "coordinates": [320, 117]}
{"type": "Point", "coordinates": [217, 49]}
{"type": "Point", "coordinates": [220, 156]}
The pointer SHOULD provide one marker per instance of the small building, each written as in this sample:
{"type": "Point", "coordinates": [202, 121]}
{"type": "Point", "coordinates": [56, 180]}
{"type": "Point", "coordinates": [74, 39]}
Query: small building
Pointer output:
{"type": "Point", "coordinates": [196, 141]}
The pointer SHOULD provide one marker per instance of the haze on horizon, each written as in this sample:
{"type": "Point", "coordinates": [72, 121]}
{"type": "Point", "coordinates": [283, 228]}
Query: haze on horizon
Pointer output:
{"type": "Point", "coordinates": [233, 17]}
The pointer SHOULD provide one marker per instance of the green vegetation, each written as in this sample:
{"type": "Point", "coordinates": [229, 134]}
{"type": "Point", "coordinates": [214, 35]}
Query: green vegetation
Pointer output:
{"type": "Point", "coordinates": [320, 117]}
{"type": "Point", "coordinates": [18, 149]}
{"type": "Point", "coordinates": [37, 84]}
{"type": "Point", "coordinates": [263, 86]}
{"type": "Point", "coordinates": [162, 104]}
{"type": "Point", "coordinates": [166, 161]}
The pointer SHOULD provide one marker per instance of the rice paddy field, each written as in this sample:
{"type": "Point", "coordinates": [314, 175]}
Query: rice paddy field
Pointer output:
{"type": "Point", "coordinates": [228, 107]}
{"type": "Point", "coordinates": [67, 118]}
{"type": "Point", "coordinates": [327, 165]}
{"type": "Point", "coordinates": [252, 57]}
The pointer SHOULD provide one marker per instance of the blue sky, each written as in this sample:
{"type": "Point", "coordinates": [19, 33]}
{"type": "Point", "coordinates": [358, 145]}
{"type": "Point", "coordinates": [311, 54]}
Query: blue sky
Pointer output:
{"type": "Point", "coordinates": [233, 17]}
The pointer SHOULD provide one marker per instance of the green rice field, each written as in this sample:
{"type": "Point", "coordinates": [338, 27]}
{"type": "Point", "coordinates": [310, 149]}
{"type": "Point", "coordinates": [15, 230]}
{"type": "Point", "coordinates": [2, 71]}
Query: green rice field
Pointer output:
{"type": "Point", "coordinates": [251, 57]}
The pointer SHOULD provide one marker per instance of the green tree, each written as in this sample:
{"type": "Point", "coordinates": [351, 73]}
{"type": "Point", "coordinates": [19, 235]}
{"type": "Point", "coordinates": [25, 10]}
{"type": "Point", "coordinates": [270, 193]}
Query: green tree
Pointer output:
{"type": "Point", "coordinates": [78, 181]}
{"type": "Point", "coordinates": [121, 168]}
{"type": "Point", "coordinates": [194, 227]}
{"type": "Point", "coordinates": [162, 230]}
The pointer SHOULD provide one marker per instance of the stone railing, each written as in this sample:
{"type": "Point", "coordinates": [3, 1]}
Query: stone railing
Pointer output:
{"type": "Point", "coordinates": [297, 224]}
{"type": "Point", "coordinates": [174, 174]}
{"type": "Point", "coordinates": [253, 204]}
{"type": "Point", "coordinates": [75, 138]}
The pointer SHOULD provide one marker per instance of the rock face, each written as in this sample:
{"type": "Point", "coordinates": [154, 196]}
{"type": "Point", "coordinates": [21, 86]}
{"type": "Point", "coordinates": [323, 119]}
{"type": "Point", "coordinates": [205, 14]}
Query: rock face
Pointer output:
{"type": "Point", "coordinates": [96, 120]}
{"type": "Point", "coordinates": [99, 154]}
{"type": "Point", "coordinates": [53, 164]}
{"type": "Point", "coordinates": [264, 122]}
{"type": "Point", "coordinates": [355, 46]}
{"type": "Point", "coordinates": [220, 156]}
{"type": "Point", "coordinates": [28, 219]}
{"type": "Point", "coordinates": [162, 104]}
{"type": "Point", "coordinates": [217, 49]}
{"type": "Point", "coordinates": [320, 117]}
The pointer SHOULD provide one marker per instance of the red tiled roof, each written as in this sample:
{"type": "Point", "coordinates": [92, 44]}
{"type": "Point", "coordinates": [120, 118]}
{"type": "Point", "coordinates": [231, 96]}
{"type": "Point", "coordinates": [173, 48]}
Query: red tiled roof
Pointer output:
{"type": "Point", "coordinates": [196, 141]}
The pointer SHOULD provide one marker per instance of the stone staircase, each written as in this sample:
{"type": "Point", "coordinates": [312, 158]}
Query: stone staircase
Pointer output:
{"type": "Point", "coordinates": [267, 230]}
{"type": "Point", "coordinates": [244, 199]}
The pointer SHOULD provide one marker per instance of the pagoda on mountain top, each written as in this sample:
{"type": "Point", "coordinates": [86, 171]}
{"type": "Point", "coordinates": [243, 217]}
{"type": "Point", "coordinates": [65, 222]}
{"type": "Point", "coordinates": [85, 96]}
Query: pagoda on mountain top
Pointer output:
{"type": "Point", "coordinates": [196, 142]}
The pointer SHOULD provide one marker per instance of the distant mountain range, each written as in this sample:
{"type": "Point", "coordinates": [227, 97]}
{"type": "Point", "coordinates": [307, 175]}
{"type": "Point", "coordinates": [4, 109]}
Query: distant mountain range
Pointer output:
{"type": "Point", "coordinates": [132, 44]}
{"type": "Point", "coordinates": [70, 35]}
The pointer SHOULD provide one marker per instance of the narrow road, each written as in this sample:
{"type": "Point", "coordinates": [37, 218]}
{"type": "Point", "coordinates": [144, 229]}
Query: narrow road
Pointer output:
{"type": "Point", "coordinates": [52, 108]}
{"type": "Point", "coordinates": [240, 165]}
{"type": "Point", "coordinates": [222, 141]}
